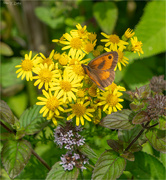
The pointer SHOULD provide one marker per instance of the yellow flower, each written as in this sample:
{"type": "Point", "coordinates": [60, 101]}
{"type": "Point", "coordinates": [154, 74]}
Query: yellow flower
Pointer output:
{"type": "Point", "coordinates": [78, 59]}
{"type": "Point", "coordinates": [57, 56]}
{"type": "Point", "coordinates": [81, 32]}
{"type": "Point", "coordinates": [48, 60]}
{"type": "Point", "coordinates": [88, 47]}
{"type": "Point", "coordinates": [80, 93]}
{"type": "Point", "coordinates": [45, 75]}
{"type": "Point", "coordinates": [128, 34]}
{"type": "Point", "coordinates": [66, 87]}
{"type": "Point", "coordinates": [73, 43]}
{"type": "Point", "coordinates": [75, 72]}
{"type": "Point", "coordinates": [92, 36]}
{"type": "Point", "coordinates": [51, 104]}
{"type": "Point", "coordinates": [93, 90]}
{"type": "Point", "coordinates": [113, 41]}
{"type": "Point", "coordinates": [121, 58]}
{"type": "Point", "coordinates": [81, 111]}
{"type": "Point", "coordinates": [63, 59]}
{"type": "Point", "coordinates": [136, 46]}
{"type": "Point", "coordinates": [27, 66]}
{"type": "Point", "coordinates": [109, 99]}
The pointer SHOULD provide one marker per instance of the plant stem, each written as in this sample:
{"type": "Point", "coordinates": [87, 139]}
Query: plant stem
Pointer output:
{"type": "Point", "coordinates": [135, 139]}
{"type": "Point", "coordinates": [33, 152]}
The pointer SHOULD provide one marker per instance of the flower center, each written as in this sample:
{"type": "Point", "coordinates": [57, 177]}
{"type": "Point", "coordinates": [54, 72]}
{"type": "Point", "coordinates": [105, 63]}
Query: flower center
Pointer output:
{"type": "Point", "coordinates": [78, 109]}
{"type": "Point", "coordinates": [89, 47]}
{"type": "Point", "coordinates": [73, 61]}
{"type": "Point", "coordinates": [66, 86]}
{"type": "Point", "coordinates": [112, 100]}
{"type": "Point", "coordinates": [48, 61]}
{"type": "Point", "coordinates": [92, 36]}
{"type": "Point", "coordinates": [45, 75]}
{"type": "Point", "coordinates": [114, 38]}
{"type": "Point", "coordinates": [76, 43]}
{"type": "Point", "coordinates": [52, 103]}
{"type": "Point", "coordinates": [78, 70]}
{"type": "Point", "coordinates": [26, 65]}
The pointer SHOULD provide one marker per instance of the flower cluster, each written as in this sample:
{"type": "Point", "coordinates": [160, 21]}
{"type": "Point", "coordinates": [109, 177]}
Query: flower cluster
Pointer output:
{"type": "Point", "coordinates": [67, 90]}
{"type": "Point", "coordinates": [68, 137]}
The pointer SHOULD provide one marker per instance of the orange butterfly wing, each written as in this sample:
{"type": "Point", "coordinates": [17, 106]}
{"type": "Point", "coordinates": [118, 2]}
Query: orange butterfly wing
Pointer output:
{"type": "Point", "coordinates": [101, 69]}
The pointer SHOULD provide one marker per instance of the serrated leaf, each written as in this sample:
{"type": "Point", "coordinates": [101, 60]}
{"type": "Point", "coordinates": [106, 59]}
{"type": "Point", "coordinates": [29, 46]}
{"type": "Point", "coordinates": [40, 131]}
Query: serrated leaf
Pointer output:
{"type": "Point", "coordinates": [15, 155]}
{"type": "Point", "coordinates": [146, 166]}
{"type": "Point", "coordinates": [139, 118]}
{"type": "Point", "coordinates": [115, 145]}
{"type": "Point", "coordinates": [106, 14]}
{"type": "Point", "coordinates": [136, 106]}
{"type": "Point", "coordinates": [109, 166]}
{"type": "Point", "coordinates": [6, 113]}
{"type": "Point", "coordinates": [118, 120]}
{"type": "Point", "coordinates": [32, 121]}
{"type": "Point", "coordinates": [5, 49]}
{"type": "Point", "coordinates": [157, 139]}
{"type": "Point", "coordinates": [86, 150]}
{"type": "Point", "coordinates": [162, 123]}
{"type": "Point", "coordinates": [58, 173]}
{"type": "Point", "coordinates": [151, 30]}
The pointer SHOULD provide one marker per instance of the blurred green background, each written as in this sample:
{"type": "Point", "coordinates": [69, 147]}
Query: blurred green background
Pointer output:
{"type": "Point", "coordinates": [31, 25]}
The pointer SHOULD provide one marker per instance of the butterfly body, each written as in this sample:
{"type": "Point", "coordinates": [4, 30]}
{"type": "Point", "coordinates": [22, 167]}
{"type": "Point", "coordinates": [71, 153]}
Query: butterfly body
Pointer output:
{"type": "Point", "coordinates": [101, 69]}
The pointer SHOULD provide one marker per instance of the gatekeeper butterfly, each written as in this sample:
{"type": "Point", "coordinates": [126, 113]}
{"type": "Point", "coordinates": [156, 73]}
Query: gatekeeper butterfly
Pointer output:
{"type": "Point", "coordinates": [101, 69]}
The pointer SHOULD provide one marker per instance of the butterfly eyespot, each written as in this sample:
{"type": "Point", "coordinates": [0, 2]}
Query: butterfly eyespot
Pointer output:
{"type": "Point", "coordinates": [109, 57]}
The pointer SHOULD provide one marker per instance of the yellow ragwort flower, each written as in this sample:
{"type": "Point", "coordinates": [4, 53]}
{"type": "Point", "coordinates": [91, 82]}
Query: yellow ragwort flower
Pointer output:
{"type": "Point", "coordinates": [77, 59]}
{"type": "Point", "coordinates": [74, 43]}
{"type": "Point", "coordinates": [51, 105]}
{"type": "Point", "coordinates": [48, 60]}
{"type": "Point", "coordinates": [27, 66]}
{"type": "Point", "coordinates": [45, 75]}
{"type": "Point", "coordinates": [66, 87]}
{"type": "Point", "coordinates": [81, 111]}
{"type": "Point", "coordinates": [128, 34]}
{"type": "Point", "coordinates": [136, 46]}
{"type": "Point", "coordinates": [80, 32]}
{"type": "Point", "coordinates": [89, 46]}
{"type": "Point", "coordinates": [110, 100]}
{"type": "Point", "coordinates": [113, 41]}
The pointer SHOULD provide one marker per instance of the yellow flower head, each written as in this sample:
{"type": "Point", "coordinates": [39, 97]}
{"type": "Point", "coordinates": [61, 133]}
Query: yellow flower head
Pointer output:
{"type": "Point", "coordinates": [113, 41]}
{"type": "Point", "coordinates": [27, 66]}
{"type": "Point", "coordinates": [128, 34]}
{"type": "Point", "coordinates": [45, 75]}
{"type": "Point", "coordinates": [63, 59]}
{"type": "Point", "coordinates": [92, 37]}
{"type": "Point", "coordinates": [109, 99]}
{"type": "Point", "coordinates": [72, 42]}
{"type": "Point", "coordinates": [88, 47]}
{"type": "Point", "coordinates": [136, 46]}
{"type": "Point", "coordinates": [51, 104]}
{"type": "Point", "coordinates": [78, 59]}
{"type": "Point", "coordinates": [48, 60]}
{"type": "Point", "coordinates": [67, 87]}
{"type": "Point", "coordinates": [81, 111]}
{"type": "Point", "coordinates": [80, 32]}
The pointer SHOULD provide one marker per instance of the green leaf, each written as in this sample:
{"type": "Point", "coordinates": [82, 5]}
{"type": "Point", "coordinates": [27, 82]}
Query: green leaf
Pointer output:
{"type": "Point", "coordinates": [8, 76]}
{"type": "Point", "coordinates": [7, 136]}
{"type": "Point", "coordinates": [106, 14]}
{"type": "Point", "coordinates": [6, 113]}
{"type": "Point", "coordinates": [5, 49]}
{"type": "Point", "coordinates": [86, 150]}
{"type": "Point", "coordinates": [15, 155]}
{"type": "Point", "coordinates": [157, 139]}
{"type": "Point", "coordinates": [140, 75]}
{"type": "Point", "coordinates": [146, 166]}
{"type": "Point", "coordinates": [162, 123]}
{"type": "Point", "coordinates": [47, 16]}
{"type": "Point", "coordinates": [118, 120]}
{"type": "Point", "coordinates": [139, 118]}
{"type": "Point", "coordinates": [129, 156]}
{"type": "Point", "coordinates": [109, 166]}
{"type": "Point", "coordinates": [151, 30]}
{"type": "Point", "coordinates": [115, 145]}
{"type": "Point", "coordinates": [32, 121]}
{"type": "Point", "coordinates": [58, 173]}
